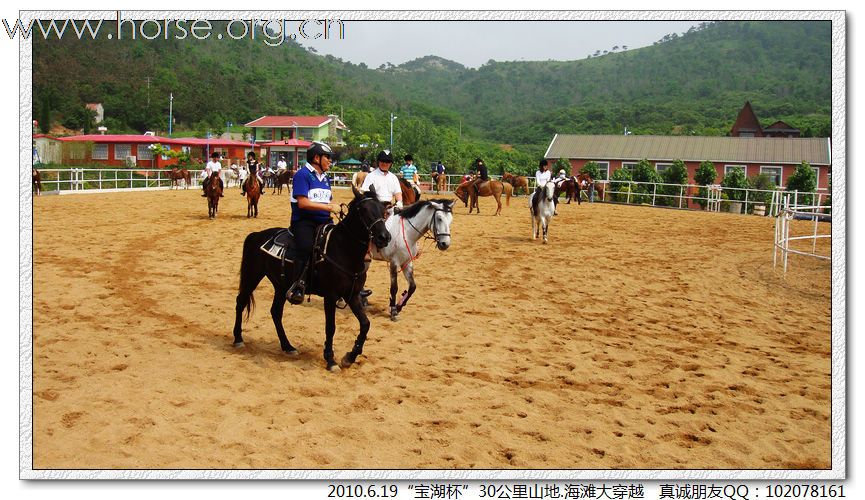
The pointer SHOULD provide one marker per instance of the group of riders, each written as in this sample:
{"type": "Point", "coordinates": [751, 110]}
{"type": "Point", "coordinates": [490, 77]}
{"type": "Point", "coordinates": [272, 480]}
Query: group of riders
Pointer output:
{"type": "Point", "coordinates": [312, 198]}
{"type": "Point", "coordinates": [252, 169]}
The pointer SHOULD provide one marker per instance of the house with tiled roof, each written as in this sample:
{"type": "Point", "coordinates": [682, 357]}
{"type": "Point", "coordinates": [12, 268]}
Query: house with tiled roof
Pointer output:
{"type": "Point", "coordinates": [289, 136]}
{"type": "Point", "coordinates": [776, 157]}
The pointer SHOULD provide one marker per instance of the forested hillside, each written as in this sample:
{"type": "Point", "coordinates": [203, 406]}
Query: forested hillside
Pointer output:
{"type": "Point", "coordinates": [505, 111]}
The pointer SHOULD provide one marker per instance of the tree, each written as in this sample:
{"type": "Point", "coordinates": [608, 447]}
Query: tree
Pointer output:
{"type": "Point", "coordinates": [677, 173]}
{"type": "Point", "coordinates": [705, 175]}
{"type": "Point", "coordinates": [735, 179]}
{"type": "Point", "coordinates": [803, 180]}
{"type": "Point", "coordinates": [592, 169]}
{"type": "Point", "coordinates": [620, 182]}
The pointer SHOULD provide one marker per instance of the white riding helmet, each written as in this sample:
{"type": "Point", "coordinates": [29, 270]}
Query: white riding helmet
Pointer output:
{"type": "Point", "coordinates": [562, 171]}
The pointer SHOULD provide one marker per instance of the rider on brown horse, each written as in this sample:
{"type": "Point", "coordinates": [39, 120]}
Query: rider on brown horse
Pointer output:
{"type": "Point", "coordinates": [481, 176]}
{"type": "Point", "coordinates": [212, 168]}
{"type": "Point", "coordinates": [252, 165]}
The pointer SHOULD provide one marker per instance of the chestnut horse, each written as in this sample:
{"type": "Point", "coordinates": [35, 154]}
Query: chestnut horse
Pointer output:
{"type": "Point", "coordinates": [253, 193]}
{"type": "Point", "coordinates": [213, 191]}
{"type": "Point", "coordinates": [409, 193]}
{"type": "Point", "coordinates": [37, 182]}
{"type": "Point", "coordinates": [358, 178]}
{"type": "Point", "coordinates": [177, 175]}
{"type": "Point", "coordinates": [517, 181]}
{"type": "Point", "coordinates": [586, 183]}
{"type": "Point", "coordinates": [439, 181]}
{"type": "Point", "coordinates": [489, 188]}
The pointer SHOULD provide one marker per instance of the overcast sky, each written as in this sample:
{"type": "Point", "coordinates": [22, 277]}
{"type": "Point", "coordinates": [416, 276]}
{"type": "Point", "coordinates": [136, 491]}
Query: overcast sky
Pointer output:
{"type": "Point", "coordinates": [473, 43]}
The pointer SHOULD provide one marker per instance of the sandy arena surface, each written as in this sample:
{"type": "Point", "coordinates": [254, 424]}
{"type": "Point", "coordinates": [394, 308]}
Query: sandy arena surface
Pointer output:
{"type": "Point", "coordinates": [637, 338]}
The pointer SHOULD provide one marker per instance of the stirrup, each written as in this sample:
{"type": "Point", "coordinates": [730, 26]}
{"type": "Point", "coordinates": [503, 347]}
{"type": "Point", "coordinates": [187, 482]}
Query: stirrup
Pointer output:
{"type": "Point", "coordinates": [295, 293]}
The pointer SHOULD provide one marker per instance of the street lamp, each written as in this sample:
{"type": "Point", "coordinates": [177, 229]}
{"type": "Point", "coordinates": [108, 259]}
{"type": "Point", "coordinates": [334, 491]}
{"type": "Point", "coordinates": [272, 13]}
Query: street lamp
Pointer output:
{"type": "Point", "coordinates": [170, 109]}
{"type": "Point", "coordinates": [392, 118]}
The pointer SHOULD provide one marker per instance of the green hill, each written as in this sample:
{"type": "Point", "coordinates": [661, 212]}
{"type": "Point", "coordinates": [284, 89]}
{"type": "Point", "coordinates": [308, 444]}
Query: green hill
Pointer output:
{"type": "Point", "coordinates": [689, 84]}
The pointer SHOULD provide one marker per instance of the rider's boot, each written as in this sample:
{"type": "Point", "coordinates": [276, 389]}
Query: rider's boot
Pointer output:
{"type": "Point", "coordinates": [295, 293]}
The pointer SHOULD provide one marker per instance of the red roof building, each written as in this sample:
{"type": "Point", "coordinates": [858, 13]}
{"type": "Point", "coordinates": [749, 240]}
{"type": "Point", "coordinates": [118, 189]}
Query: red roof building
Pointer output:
{"type": "Point", "coordinates": [747, 124]}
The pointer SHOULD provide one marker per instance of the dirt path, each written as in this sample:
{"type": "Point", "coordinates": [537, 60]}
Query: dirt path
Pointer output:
{"type": "Point", "coordinates": [638, 338]}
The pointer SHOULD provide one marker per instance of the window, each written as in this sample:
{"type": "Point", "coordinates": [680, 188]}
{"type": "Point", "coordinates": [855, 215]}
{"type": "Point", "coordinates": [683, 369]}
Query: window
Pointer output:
{"type": "Point", "coordinates": [774, 173]}
{"type": "Point", "coordinates": [285, 134]}
{"type": "Point", "coordinates": [306, 133]}
{"type": "Point", "coordinates": [100, 152]}
{"type": "Point", "coordinates": [729, 168]}
{"type": "Point", "coordinates": [604, 169]}
{"type": "Point", "coordinates": [630, 165]}
{"type": "Point", "coordinates": [660, 167]}
{"type": "Point", "coordinates": [264, 134]}
{"type": "Point", "coordinates": [817, 176]}
{"type": "Point", "coordinates": [121, 151]}
{"type": "Point", "coordinates": [144, 152]}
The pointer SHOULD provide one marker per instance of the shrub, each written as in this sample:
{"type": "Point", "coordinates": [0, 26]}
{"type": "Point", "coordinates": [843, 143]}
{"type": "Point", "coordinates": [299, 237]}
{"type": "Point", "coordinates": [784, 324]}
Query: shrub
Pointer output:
{"type": "Point", "coordinates": [705, 175]}
{"type": "Point", "coordinates": [676, 174]}
{"type": "Point", "coordinates": [620, 181]}
{"type": "Point", "coordinates": [803, 180]}
{"type": "Point", "coordinates": [592, 169]}
{"type": "Point", "coordinates": [735, 179]}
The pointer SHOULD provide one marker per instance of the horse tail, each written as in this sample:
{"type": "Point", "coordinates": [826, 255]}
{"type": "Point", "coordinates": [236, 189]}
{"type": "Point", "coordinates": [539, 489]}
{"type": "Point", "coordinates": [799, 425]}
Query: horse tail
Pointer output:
{"type": "Point", "coordinates": [247, 301]}
{"type": "Point", "coordinates": [509, 190]}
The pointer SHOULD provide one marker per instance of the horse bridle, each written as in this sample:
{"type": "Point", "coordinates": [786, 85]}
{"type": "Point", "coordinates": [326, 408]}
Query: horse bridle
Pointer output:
{"type": "Point", "coordinates": [432, 225]}
{"type": "Point", "coordinates": [370, 226]}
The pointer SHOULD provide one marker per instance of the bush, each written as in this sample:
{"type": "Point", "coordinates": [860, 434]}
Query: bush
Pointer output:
{"type": "Point", "coordinates": [620, 181]}
{"type": "Point", "coordinates": [735, 179]}
{"type": "Point", "coordinates": [592, 169]}
{"type": "Point", "coordinates": [803, 180]}
{"type": "Point", "coordinates": [705, 175]}
{"type": "Point", "coordinates": [646, 174]}
{"type": "Point", "coordinates": [676, 174]}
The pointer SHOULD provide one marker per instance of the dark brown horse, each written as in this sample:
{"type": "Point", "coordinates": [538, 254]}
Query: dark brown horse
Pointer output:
{"type": "Point", "coordinates": [282, 178]}
{"type": "Point", "coordinates": [177, 175]}
{"type": "Point", "coordinates": [569, 187]}
{"type": "Point", "coordinates": [409, 193]}
{"type": "Point", "coordinates": [587, 184]}
{"type": "Point", "coordinates": [253, 193]}
{"type": "Point", "coordinates": [213, 191]}
{"type": "Point", "coordinates": [489, 188]}
{"type": "Point", "coordinates": [517, 181]}
{"type": "Point", "coordinates": [37, 182]}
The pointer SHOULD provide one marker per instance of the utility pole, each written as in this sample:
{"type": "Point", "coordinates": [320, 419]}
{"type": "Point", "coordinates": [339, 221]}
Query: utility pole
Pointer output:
{"type": "Point", "coordinates": [170, 110]}
{"type": "Point", "coordinates": [392, 118]}
{"type": "Point", "coordinates": [148, 90]}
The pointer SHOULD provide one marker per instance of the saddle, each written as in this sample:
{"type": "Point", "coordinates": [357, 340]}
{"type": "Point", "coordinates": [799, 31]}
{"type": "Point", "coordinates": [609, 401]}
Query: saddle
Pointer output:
{"type": "Point", "coordinates": [281, 246]}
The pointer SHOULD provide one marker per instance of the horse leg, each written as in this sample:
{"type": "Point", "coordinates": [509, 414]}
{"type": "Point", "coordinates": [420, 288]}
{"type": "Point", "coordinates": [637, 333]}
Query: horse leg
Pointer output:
{"type": "Point", "coordinates": [498, 203]}
{"type": "Point", "coordinates": [546, 223]}
{"type": "Point", "coordinates": [276, 309]}
{"type": "Point", "coordinates": [394, 287]}
{"type": "Point", "coordinates": [408, 272]}
{"type": "Point", "coordinates": [351, 356]}
{"type": "Point", "coordinates": [329, 331]}
{"type": "Point", "coordinates": [251, 274]}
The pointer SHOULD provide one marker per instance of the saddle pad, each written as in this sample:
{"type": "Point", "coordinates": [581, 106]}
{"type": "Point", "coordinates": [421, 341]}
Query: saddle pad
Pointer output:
{"type": "Point", "coordinates": [275, 246]}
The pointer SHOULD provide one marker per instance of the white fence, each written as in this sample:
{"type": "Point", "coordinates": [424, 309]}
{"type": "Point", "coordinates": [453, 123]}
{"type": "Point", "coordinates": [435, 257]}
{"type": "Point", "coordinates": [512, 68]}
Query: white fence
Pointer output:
{"type": "Point", "coordinates": [686, 196]}
{"type": "Point", "coordinates": [783, 222]}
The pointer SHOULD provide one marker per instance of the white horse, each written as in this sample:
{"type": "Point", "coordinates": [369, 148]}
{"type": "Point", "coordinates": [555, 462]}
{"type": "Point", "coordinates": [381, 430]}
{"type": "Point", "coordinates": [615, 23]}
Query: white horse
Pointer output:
{"type": "Point", "coordinates": [543, 211]}
{"type": "Point", "coordinates": [406, 229]}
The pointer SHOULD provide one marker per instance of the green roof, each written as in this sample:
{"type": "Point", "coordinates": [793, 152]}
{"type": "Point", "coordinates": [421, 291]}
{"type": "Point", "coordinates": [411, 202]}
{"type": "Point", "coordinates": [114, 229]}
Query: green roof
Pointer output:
{"type": "Point", "coordinates": [815, 151]}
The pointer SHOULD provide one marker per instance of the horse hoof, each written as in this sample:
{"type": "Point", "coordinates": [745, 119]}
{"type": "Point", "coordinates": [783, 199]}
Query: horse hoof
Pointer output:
{"type": "Point", "coordinates": [394, 317]}
{"type": "Point", "coordinates": [346, 362]}
{"type": "Point", "coordinates": [334, 368]}
{"type": "Point", "coordinates": [239, 345]}
{"type": "Point", "coordinates": [293, 353]}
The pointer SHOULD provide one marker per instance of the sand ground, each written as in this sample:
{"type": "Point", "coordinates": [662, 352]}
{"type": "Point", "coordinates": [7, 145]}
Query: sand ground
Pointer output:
{"type": "Point", "coordinates": [637, 338]}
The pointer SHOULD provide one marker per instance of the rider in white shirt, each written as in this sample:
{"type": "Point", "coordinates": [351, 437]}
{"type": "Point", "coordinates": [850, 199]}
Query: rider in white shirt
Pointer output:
{"type": "Point", "coordinates": [212, 168]}
{"type": "Point", "coordinates": [281, 165]}
{"type": "Point", "coordinates": [386, 183]}
{"type": "Point", "coordinates": [542, 177]}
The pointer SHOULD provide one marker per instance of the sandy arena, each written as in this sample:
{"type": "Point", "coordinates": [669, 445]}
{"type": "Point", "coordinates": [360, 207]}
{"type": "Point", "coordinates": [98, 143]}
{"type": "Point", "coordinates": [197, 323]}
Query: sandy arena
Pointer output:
{"type": "Point", "coordinates": [638, 338]}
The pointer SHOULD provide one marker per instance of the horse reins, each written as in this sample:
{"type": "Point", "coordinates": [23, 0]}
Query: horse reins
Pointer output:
{"type": "Point", "coordinates": [435, 236]}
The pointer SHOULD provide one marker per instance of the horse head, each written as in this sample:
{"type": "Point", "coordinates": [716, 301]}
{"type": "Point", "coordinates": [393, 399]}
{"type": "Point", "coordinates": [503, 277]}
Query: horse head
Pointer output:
{"type": "Point", "coordinates": [462, 193]}
{"type": "Point", "coordinates": [370, 212]}
{"type": "Point", "coordinates": [549, 191]}
{"type": "Point", "coordinates": [440, 223]}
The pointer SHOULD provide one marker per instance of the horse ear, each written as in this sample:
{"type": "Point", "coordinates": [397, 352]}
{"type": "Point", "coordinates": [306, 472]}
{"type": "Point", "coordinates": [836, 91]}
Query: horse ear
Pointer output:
{"type": "Point", "coordinates": [371, 190]}
{"type": "Point", "coordinates": [357, 194]}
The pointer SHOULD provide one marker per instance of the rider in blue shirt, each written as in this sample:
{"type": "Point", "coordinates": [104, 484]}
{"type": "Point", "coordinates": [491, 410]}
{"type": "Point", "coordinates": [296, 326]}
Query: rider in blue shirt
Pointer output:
{"type": "Point", "coordinates": [310, 207]}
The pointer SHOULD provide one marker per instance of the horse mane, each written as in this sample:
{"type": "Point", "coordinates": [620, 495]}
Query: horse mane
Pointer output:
{"type": "Point", "coordinates": [415, 208]}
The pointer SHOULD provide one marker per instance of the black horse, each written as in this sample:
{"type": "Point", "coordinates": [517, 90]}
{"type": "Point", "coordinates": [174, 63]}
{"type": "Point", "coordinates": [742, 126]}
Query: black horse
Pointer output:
{"type": "Point", "coordinates": [338, 274]}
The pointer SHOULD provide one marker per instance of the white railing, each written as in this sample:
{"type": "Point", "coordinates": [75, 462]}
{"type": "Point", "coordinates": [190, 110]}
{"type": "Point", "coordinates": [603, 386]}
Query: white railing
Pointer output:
{"type": "Point", "coordinates": [790, 212]}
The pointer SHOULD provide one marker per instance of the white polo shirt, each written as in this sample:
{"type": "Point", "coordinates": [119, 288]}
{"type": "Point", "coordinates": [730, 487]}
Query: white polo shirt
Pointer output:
{"type": "Point", "coordinates": [386, 185]}
{"type": "Point", "coordinates": [542, 178]}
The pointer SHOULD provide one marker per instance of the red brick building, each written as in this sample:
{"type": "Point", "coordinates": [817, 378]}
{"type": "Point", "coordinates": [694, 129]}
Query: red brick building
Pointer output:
{"type": "Point", "coordinates": [121, 150]}
{"type": "Point", "coordinates": [777, 157]}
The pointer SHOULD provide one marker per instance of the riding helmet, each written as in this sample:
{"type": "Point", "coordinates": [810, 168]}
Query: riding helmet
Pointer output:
{"type": "Point", "coordinates": [319, 148]}
{"type": "Point", "coordinates": [385, 156]}
{"type": "Point", "coordinates": [214, 155]}
{"type": "Point", "coordinates": [542, 163]}
{"type": "Point", "coordinates": [562, 171]}
{"type": "Point", "coordinates": [408, 158]}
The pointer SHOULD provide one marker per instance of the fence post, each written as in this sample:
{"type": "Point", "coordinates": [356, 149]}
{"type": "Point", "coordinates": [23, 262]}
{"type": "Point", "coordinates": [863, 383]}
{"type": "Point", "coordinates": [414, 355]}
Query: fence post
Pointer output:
{"type": "Point", "coordinates": [654, 191]}
{"type": "Point", "coordinates": [628, 199]}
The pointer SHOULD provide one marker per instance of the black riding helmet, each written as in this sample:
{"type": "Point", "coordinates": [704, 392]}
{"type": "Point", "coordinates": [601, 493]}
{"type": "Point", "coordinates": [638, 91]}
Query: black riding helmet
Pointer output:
{"type": "Point", "coordinates": [319, 148]}
{"type": "Point", "coordinates": [408, 158]}
{"type": "Point", "coordinates": [385, 156]}
{"type": "Point", "coordinates": [542, 163]}
{"type": "Point", "coordinates": [214, 155]}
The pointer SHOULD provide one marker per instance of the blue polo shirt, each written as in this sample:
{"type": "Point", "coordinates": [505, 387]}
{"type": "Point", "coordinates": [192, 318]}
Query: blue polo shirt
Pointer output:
{"type": "Point", "coordinates": [307, 182]}
{"type": "Point", "coordinates": [408, 171]}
